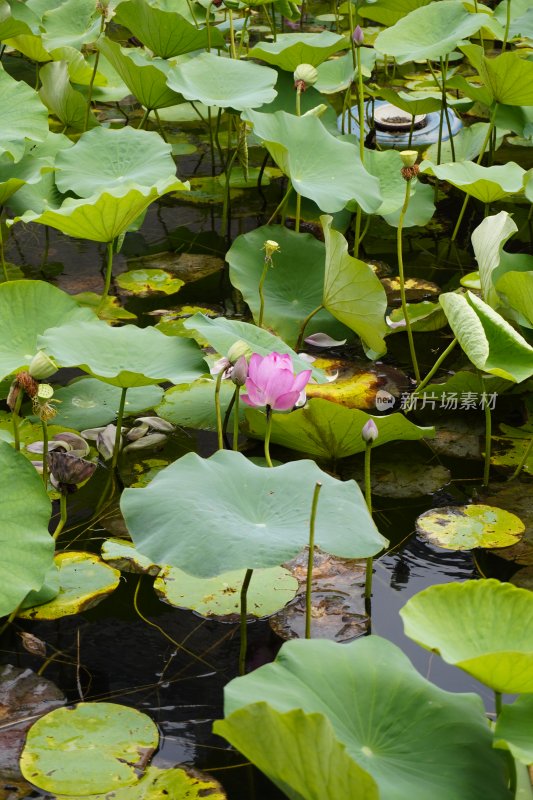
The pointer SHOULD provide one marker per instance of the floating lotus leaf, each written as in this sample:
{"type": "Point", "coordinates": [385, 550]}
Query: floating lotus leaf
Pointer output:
{"type": "Point", "coordinates": [367, 689]}
{"type": "Point", "coordinates": [90, 747]}
{"type": "Point", "coordinates": [388, 12]}
{"type": "Point", "coordinates": [510, 449]}
{"type": "Point", "coordinates": [66, 103]}
{"type": "Point", "coordinates": [158, 784]}
{"type": "Point", "coordinates": [84, 581]}
{"type": "Point", "coordinates": [90, 403]}
{"type": "Point", "coordinates": [487, 184]}
{"type": "Point", "coordinates": [355, 385]}
{"type": "Point", "coordinates": [127, 356]}
{"type": "Point", "coordinates": [512, 497]}
{"type": "Point", "coordinates": [293, 287]}
{"type": "Point", "coordinates": [27, 309]}
{"type": "Point", "coordinates": [329, 430]}
{"type": "Point", "coordinates": [249, 516]}
{"type": "Point", "coordinates": [145, 77]}
{"type": "Point", "coordinates": [165, 33]}
{"type": "Point", "coordinates": [109, 310]}
{"type": "Point", "coordinates": [24, 118]}
{"type": "Point", "coordinates": [269, 590]}
{"type": "Point", "coordinates": [27, 547]}
{"type": "Point", "coordinates": [488, 340]}
{"type": "Point", "coordinates": [291, 49]}
{"type": "Point", "coordinates": [122, 555]}
{"type": "Point", "coordinates": [73, 24]}
{"type": "Point", "coordinates": [352, 291]}
{"type": "Point", "coordinates": [221, 333]}
{"type": "Point", "coordinates": [405, 476]}
{"type": "Point", "coordinates": [513, 729]}
{"type": "Point", "coordinates": [429, 32]}
{"type": "Point", "coordinates": [467, 527]}
{"type": "Point", "coordinates": [193, 405]}
{"type": "Point", "coordinates": [223, 82]}
{"type": "Point", "coordinates": [473, 626]}
{"type": "Point", "coordinates": [321, 167]}
{"type": "Point", "coordinates": [507, 79]}
{"type": "Point", "coordinates": [145, 282]}
{"type": "Point", "coordinates": [106, 215]}
{"type": "Point", "coordinates": [110, 159]}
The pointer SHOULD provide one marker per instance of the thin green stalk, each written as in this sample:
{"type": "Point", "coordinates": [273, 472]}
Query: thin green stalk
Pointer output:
{"type": "Point", "coordinates": [244, 611]}
{"type": "Point", "coordinates": [243, 31]}
{"type": "Point", "coordinates": [261, 293]}
{"type": "Point", "coordinates": [93, 77]}
{"type": "Point", "coordinates": [211, 140]}
{"type": "Point", "coordinates": [10, 619]}
{"type": "Point", "coordinates": [443, 356]}
{"type": "Point", "coordinates": [118, 434]}
{"type": "Point", "coordinates": [15, 419]}
{"type": "Point", "coordinates": [498, 703]}
{"type": "Point", "coordinates": [236, 396]}
{"type": "Point", "coordinates": [399, 242]}
{"type": "Point", "coordinates": [365, 229]}
{"type": "Point", "coordinates": [444, 72]}
{"type": "Point", "coordinates": [352, 28]}
{"type": "Point", "coordinates": [411, 131]}
{"type": "Point", "coordinates": [160, 126]}
{"type": "Point", "coordinates": [108, 276]}
{"type": "Point", "coordinates": [298, 212]}
{"type": "Point", "coordinates": [360, 105]}
{"type": "Point", "coordinates": [523, 460]}
{"type": "Point", "coordinates": [232, 48]}
{"type": "Point", "coordinates": [2, 254]}
{"type": "Point", "coordinates": [44, 426]}
{"type": "Point", "coordinates": [482, 43]}
{"type": "Point", "coordinates": [62, 515]}
{"type": "Point", "coordinates": [488, 444]}
{"type": "Point", "coordinates": [267, 435]}
{"type": "Point", "coordinates": [218, 412]}
{"type": "Point", "coordinates": [310, 561]}
{"type": "Point", "coordinates": [208, 25]}
{"type": "Point", "coordinates": [507, 25]}
{"type": "Point", "coordinates": [281, 205]}
{"type": "Point", "coordinates": [304, 325]}
{"type": "Point", "coordinates": [145, 118]}
{"type": "Point", "coordinates": [217, 139]}
{"type": "Point", "coordinates": [368, 499]}
{"type": "Point", "coordinates": [271, 23]}
{"type": "Point", "coordinates": [357, 231]}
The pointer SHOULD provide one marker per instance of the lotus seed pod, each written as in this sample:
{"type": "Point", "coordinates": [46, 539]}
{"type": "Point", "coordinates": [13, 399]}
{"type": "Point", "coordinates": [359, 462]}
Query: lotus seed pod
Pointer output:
{"type": "Point", "coordinates": [409, 157]}
{"type": "Point", "coordinates": [370, 432]}
{"type": "Point", "coordinates": [41, 366]}
{"type": "Point", "coordinates": [305, 75]}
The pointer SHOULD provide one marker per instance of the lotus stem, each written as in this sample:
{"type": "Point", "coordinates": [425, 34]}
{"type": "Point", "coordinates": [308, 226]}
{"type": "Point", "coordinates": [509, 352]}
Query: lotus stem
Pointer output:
{"type": "Point", "coordinates": [15, 419]}
{"type": "Point", "coordinates": [144, 118]}
{"type": "Point", "coordinates": [368, 499]}
{"type": "Point", "coordinates": [218, 412]}
{"type": "Point", "coordinates": [399, 242]}
{"type": "Point", "coordinates": [443, 356]}
{"type": "Point", "coordinates": [497, 703]}
{"type": "Point", "coordinates": [208, 25]}
{"type": "Point", "coordinates": [352, 28]}
{"type": "Point", "coordinates": [268, 432]}
{"type": "Point", "coordinates": [232, 48]}
{"type": "Point", "coordinates": [361, 121]}
{"type": "Point", "coordinates": [261, 293]}
{"type": "Point", "coordinates": [160, 126]}
{"type": "Point", "coordinates": [281, 205]}
{"type": "Point", "coordinates": [244, 630]}
{"type": "Point", "coordinates": [482, 43]}
{"type": "Point", "coordinates": [304, 325]}
{"type": "Point", "coordinates": [411, 131]}
{"type": "Point", "coordinates": [211, 140]}
{"type": "Point", "coordinates": [108, 276]}
{"type": "Point", "coordinates": [243, 31]}
{"type": "Point", "coordinates": [271, 22]}
{"type": "Point", "coordinates": [507, 25]}
{"type": "Point", "coordinates": [523, 460]}
{"type": "Point", "coordinates": [2, 253]}
{"type": "Point", "coordinates": [236, 397]}
{"type": "Point", "coordinates": [9, 620]}
{"type": "Point", "coordinates": [310, 561]}
{"type": "Point", "coordinates": [298, 212]}
{"type": "Point", "coordinates": [479, 159]}
{"type": "Point", "coordinates": [118, 434]}
{"type": "Point", "coordinates": [488, 444]}
{"type": "Point", "coordinates": [44, 426]}
{"type": "Point", "coordinates": [444, 110]}
{"type": "Point", "coordinates": [62, 515]}
{"type": "Point", "coordinates": [93, 77]}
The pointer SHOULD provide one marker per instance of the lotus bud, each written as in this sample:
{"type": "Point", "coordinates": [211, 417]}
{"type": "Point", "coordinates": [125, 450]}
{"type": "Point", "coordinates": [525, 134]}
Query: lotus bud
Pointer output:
{"type": "Point", "coordinates": [270, 247]}
{"type": "Point", "coordinates": [237, 350]}
{"type": "Point", "coordinates": [305, 75]}
{"type": "Point", "coordinates": [69, 470]}
{"type": "Point", "coordinates": [358, 36]}
{"type": "Point", "coordinates": [42, 366]}
{"type": "Point", "coordinates": [370, 432]}
{"type": "Point", "coordinates": [239, 372]}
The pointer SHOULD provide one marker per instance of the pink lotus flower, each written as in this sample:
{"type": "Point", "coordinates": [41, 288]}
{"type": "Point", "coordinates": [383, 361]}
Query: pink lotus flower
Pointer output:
{"type": "Point", "coordinates": [271, 382]}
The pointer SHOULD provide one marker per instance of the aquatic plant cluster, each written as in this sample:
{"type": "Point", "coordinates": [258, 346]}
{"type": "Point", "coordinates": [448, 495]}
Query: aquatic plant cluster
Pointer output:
{"type": "Point", "coordinates": [365, 120]}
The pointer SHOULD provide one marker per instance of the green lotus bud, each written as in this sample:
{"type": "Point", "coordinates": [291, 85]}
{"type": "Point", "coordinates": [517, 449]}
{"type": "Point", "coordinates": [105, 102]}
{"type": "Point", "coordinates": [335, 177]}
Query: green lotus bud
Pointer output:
{"type": "Point", "coordinates": [238, 349]}
{"type": "Point", "coordinates": [409, 157]}
{"type": "Point", "coordinates": [305, 75]}
{"type": "Point", "coordinates": [41, 366]}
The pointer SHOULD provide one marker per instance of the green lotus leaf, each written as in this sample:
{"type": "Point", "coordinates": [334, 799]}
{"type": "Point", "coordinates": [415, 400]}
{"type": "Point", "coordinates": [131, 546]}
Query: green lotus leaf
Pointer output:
{"type": "Point", "coordinates": [16, 19]}
{"type": "Point", "coordinates": [467, 527]}
{"type": "Point", "coordinates": [84, 581]}
{"type": "Point", "coordinates": [165, 33]}
{"type": "Point", "coordinates": [487, 184]}
{"type": "Point", "coordinates": [488, 340]}
{"type": "Point", "coordinates": [389, 12]}
{"type": "Point", "coordinates": [473, 626]}
{"type": "Point", "coordinates": [298, 752]}
{"type": "Point", "coordinates": [90, 403]}
{"type": "Point", "coordinates": [46, 593]}
{"type": "Point", "coordinates": [517, 290]}
{"type": "Point", "coordinates": [127, 356]}
{"type": "Point", "coordinates": [27, 309]}
{"type": "Point", "coordinates": [56, 92]}
{"type": "Point", "coordinates": [105, 215]}
{"type": "Point", "coordinates": [291, 49]}
{"type": "Point", "coordinates": [321, 167]}
{"type": "Point", "coordinates": [27, 547]}
{"type": "Point", "coordinates": [24, 118]}
{"type": "Point", "coordinates": [337, 74]}
{"type": "Point", "coordinates": [420, 210]}
{"type": "Point", "coordinates": [413, 103]}
{"type": "Point", "coordinates": [270, 589]}
{"type": "Point", "coordinates": [224, 82]}
{"type": "Point", "coordinates": [145, 282]}
{"type": "Point", "coordinates": [518, 12]}
{"type": "Point", "coordinates": [122, 555]}
{"type": "Point", "coordinates": [352, 291]}
{"type": "Point", "coordinates": [467, 144]}
{"type": "Point", "coordinates": [145, 77]}
{"type": "Point", "coordinates": [27, 171]}
{"type": "Point", "coordinates": [108, 159]}
{"type": "Point", "coordinates": [73, 23]}
{"type": "Point", "coordinates": [248, 517]}
{"type": "Point", "coordinates": [329, 430]}
{"type": "Point", "coordinates": [368, 689]}
{"type": "Point", "coordinates": [43, 193]}
{"type": "Point", "coordinates": [293, 286]}
{"type": "Point", "coordinates": [88, 748]}
{"type": "Point", "coordinates": [193, 405]}
{"type": "Point", "coordinates": [429, 32]}
{"type": "Point", "coordinates": [507, 79]}
{"type": "Point", "coordinates": [221, 333]}
{"type": "Point", "coordinates": [513, 729]}
{"type": "Point", "coordinates": [488, 240]}
{"type": "Point", "coordinates": [156, 784]}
